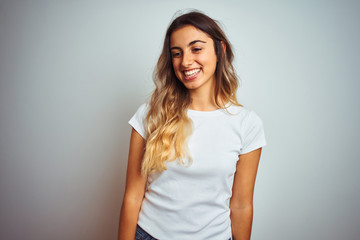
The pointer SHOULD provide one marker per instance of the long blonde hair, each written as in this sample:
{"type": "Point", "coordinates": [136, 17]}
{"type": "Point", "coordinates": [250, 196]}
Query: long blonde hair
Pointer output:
{"type": "Point", "coordinates": [168, 127]}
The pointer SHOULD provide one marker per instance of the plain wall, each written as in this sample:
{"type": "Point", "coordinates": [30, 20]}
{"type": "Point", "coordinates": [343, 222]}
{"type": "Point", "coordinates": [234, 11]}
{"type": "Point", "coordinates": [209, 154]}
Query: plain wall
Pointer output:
{"type": "Point", "coordinates": [72, 73]}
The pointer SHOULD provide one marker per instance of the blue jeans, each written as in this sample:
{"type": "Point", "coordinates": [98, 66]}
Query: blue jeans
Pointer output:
{"type": "Point", "coordinates": [142, 235]}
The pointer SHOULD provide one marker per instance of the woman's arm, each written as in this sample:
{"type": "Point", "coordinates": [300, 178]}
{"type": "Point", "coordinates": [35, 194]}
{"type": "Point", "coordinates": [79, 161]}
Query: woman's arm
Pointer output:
{"type": "Point", "coordinates": [241, 202]}
{"type": "Point", "coordinates": [134, 190]}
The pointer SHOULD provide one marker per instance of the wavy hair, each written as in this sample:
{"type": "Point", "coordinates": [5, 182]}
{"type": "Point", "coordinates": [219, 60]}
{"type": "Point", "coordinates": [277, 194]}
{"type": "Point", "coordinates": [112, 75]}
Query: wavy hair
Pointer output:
{"type": "Point", "coordinates": [167, 125]}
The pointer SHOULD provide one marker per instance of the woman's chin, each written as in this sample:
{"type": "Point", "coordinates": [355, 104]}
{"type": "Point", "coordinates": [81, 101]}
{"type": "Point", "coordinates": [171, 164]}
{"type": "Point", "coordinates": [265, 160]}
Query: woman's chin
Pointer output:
{"type": "Point", "coordinates": [191, 86]}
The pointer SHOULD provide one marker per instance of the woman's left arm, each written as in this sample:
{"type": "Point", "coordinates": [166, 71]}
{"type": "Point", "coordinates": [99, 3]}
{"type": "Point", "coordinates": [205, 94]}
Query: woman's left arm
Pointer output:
{"type": "Point", "coordinates": [241, 202]}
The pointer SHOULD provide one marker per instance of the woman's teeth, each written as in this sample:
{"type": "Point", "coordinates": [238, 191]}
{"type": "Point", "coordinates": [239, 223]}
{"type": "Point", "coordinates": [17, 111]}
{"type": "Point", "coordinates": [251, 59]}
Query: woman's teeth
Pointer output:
{"type": "Point", "coordinates": [191, 72]}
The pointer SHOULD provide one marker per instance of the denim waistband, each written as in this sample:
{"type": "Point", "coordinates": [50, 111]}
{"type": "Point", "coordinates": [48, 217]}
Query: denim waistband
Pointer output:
{"type": "Point", "coordinates": [141, 234]}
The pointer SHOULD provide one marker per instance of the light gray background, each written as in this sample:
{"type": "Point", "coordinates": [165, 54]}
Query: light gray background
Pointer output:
{"type": "Point", "coordinates": [73, 73]}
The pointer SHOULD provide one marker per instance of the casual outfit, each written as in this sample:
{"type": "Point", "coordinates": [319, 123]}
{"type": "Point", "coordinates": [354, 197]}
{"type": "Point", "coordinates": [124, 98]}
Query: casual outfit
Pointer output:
{"type": "Point", "coordinates": [191, 201]}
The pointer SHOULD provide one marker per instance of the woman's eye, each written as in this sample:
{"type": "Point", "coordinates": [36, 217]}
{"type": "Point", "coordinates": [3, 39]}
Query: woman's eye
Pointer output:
{"type": "Point", "coordinates": [176, 54]}
{"type": "Point", "coordinates": [197, 49]}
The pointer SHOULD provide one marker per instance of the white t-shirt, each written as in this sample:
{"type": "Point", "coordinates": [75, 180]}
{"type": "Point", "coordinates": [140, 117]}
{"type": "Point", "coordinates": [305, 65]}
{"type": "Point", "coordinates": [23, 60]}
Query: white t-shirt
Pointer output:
{"type": "Point", "coordinates": [192, 202]}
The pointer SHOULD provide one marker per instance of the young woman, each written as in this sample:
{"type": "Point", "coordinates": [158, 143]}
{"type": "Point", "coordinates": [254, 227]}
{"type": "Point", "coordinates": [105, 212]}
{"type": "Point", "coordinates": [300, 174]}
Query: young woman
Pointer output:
{"type": "Point", "coordinates": [194, 150]}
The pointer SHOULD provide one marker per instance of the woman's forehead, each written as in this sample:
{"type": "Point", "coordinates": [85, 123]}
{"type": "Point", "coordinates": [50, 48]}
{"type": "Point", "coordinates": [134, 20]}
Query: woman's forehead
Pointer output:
{"type": "Point", "coordinates": [187, 34]}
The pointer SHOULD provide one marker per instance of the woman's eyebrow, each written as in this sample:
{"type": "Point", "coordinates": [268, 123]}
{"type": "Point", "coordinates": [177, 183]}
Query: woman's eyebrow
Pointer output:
{"type": "Point", "coordinates": [191, 43]}
{"type": "Point", "coordinates": [195, 41]}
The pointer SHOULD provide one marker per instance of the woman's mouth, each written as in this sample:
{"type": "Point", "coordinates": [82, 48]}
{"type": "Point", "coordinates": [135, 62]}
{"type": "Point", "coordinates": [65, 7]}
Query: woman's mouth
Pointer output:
{"type": "Point", "coordinates": [191, 74]}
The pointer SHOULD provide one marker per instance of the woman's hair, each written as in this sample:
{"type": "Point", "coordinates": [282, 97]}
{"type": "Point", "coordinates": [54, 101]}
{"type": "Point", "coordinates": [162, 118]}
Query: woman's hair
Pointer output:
{"type": "Point", "coordinates": [167, 125]}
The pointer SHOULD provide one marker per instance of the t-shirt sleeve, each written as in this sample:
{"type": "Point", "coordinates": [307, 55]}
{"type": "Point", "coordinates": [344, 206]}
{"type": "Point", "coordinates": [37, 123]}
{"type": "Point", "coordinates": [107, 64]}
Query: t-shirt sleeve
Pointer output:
{"type": "Point", "coordinates": [138, 120]}
{"type": "Point", "coordinates": [253, 136]}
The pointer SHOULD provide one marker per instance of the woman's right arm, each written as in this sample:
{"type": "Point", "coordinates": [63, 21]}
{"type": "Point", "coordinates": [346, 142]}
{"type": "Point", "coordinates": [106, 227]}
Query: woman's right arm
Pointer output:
{"type": "Point", "coordinates": [134, 190]}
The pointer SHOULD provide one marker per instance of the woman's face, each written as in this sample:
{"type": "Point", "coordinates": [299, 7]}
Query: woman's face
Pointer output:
{"type": "Point", "coordinates": [193, 58]}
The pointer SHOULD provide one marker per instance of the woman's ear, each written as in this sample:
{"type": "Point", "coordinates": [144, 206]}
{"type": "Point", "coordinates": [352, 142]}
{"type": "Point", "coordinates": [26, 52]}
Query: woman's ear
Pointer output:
{"type": "Point", "coordinates": [223, 52]}
{"type": "Point", "coordinates": [223, 44]}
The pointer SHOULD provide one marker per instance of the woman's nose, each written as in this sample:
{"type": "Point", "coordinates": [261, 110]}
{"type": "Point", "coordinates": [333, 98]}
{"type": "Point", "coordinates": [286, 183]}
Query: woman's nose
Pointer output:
{"type": "Point", "coordinates": [187, 59]}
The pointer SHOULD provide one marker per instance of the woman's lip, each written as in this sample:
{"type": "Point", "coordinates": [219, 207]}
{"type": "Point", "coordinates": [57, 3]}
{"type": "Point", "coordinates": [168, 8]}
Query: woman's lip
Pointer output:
{"type": "Point", "coordinates": [191, 77]}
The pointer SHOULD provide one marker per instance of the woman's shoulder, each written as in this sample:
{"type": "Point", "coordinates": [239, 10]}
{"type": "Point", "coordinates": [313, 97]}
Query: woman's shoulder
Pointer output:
{"type": "Point", "coordinates": [238, 109]}
{"type": "Point", "coordinates": [244, 113]}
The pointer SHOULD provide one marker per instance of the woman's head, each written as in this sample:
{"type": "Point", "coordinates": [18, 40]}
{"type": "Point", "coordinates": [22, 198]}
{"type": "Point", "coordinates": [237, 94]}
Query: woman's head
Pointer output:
{"type": "Point", "coordinates": [225, 78]}
{"type": "Point", "coordinates": [194, 59]}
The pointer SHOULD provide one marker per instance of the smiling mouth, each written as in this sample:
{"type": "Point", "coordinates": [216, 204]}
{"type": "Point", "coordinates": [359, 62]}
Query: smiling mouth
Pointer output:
{"type": "Point", "coordinates": [191, 74]}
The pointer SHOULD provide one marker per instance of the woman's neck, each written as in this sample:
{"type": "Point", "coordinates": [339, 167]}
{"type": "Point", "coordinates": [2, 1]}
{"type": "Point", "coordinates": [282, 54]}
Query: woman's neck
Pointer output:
{"type": "Point", "coordinates": [203, 98]}
{"type": "Point", "coordinates": [203, 102]}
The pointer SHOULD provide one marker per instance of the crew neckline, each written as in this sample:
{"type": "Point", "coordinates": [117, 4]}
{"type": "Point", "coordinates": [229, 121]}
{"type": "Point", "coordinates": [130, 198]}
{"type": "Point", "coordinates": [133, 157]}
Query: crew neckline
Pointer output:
{"type": "Point", "coordinates": [209, 113]}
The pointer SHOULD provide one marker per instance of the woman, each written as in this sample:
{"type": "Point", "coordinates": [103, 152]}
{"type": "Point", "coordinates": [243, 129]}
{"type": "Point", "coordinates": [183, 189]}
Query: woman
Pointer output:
{"type": "Point", "coordinates": [194, 150]}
